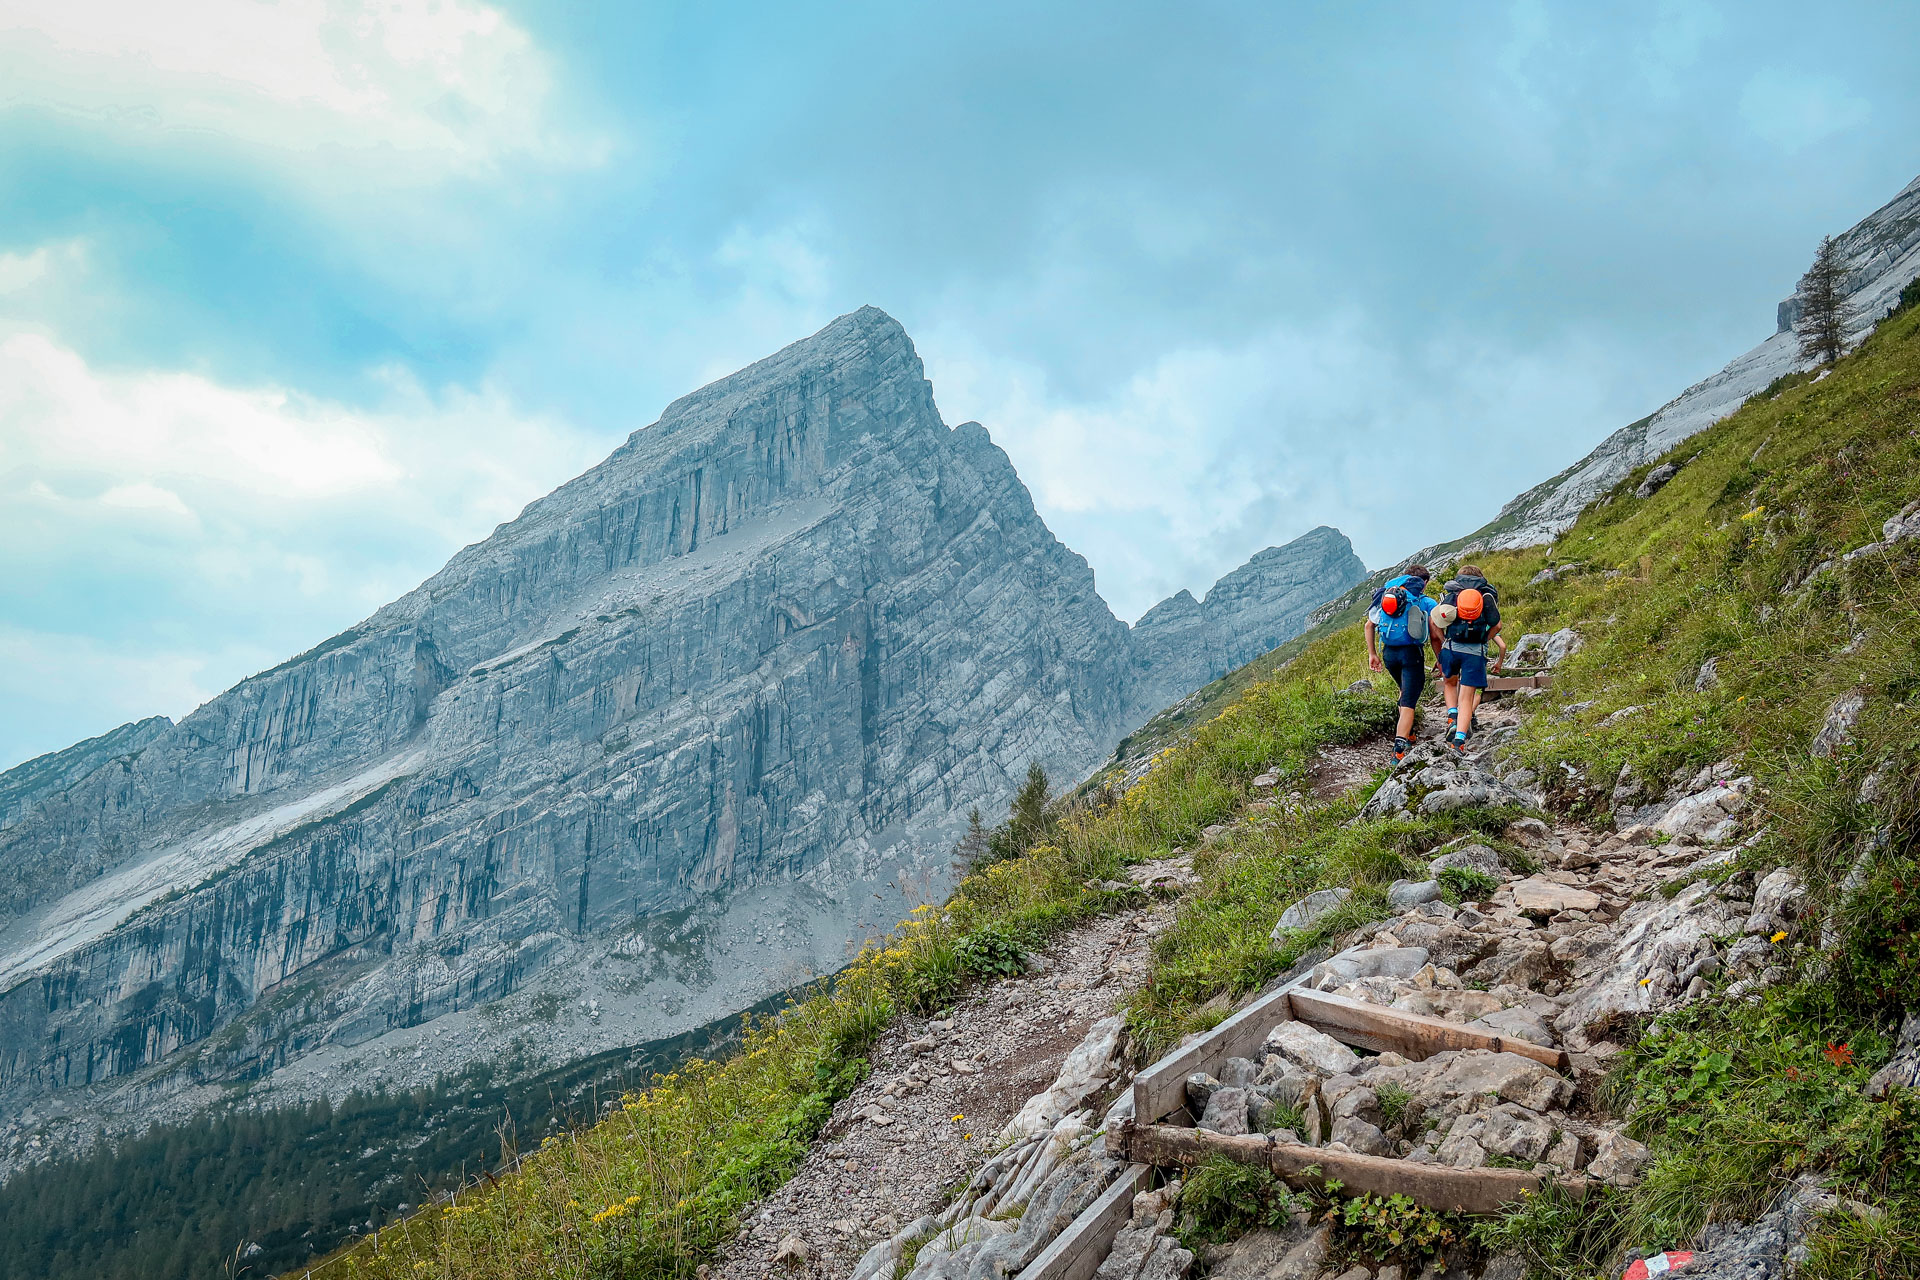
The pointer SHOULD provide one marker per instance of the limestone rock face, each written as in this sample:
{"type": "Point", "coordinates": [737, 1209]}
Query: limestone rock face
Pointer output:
{"type": "Point", "coordinates": [1182, 643]}
{"type": "Point", "coordinates": [1882, 254]}
{"type": "Point", "coordinates": [656, 749]}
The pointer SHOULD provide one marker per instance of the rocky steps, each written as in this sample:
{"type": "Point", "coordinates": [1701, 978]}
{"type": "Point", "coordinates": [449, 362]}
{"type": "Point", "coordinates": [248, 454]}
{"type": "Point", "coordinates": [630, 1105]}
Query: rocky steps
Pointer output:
{"type": "Point", "coordinates": [952, 1157]}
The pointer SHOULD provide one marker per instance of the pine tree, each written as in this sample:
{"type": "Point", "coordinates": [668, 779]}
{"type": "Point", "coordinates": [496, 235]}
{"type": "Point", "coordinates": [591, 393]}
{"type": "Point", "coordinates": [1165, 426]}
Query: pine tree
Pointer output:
{"type": "Point", "coordinates": [972, 850]}
{"type": "Point", "coordinates": [1028, 816]}
{"type": "Point", "coordinates": [1822, 325]}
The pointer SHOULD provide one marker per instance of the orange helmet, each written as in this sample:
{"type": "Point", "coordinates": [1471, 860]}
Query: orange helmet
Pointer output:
{"type": "Point", "coordinates": [1470, 603]}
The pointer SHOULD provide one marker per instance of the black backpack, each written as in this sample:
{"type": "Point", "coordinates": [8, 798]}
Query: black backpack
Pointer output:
{"type": "Point", "coordinates": [1475, 630]}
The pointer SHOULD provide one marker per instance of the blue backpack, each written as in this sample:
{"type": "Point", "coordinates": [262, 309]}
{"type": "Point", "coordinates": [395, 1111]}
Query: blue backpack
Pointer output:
{"type": "Point", "coordinates": [1399, 611]}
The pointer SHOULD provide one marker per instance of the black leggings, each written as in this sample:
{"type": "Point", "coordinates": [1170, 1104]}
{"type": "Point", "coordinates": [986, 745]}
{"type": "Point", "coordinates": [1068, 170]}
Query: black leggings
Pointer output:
{"type": "Point", "coordinates": [1406, 663]}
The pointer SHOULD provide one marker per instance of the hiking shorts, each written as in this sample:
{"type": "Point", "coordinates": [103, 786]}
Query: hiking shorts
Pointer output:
{"type": "Point", "coordinates": [1406, 663]}
{"type": "Point", "coordinates": [1469, 668]}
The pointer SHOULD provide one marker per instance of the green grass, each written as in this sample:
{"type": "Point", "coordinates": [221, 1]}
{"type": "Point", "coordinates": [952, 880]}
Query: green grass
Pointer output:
{"type": "Point", "coordinates": [1738, 1098]}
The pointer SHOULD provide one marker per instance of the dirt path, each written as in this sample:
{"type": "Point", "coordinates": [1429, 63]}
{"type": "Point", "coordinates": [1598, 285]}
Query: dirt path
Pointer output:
{"type": "Point", "coordinates": [940, 1093]}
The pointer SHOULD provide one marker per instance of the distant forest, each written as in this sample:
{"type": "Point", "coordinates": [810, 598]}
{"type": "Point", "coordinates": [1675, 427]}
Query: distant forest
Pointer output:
{"type": "Point", "coordinates": [255, 1193]}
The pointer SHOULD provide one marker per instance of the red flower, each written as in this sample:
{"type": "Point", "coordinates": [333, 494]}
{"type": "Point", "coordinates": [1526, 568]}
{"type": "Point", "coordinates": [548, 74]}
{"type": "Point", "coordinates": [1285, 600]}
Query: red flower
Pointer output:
{"type": "Point", "coordinates": [1838, 1054]}
{"type": "Point", "coordinates": [1793, 1073]}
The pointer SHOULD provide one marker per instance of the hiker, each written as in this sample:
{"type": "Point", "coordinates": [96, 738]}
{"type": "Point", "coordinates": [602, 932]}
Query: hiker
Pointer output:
{"type": "Point", "coordinates": [1472, 622]}
{"type": "Point", "coordinates": [1398, 633]}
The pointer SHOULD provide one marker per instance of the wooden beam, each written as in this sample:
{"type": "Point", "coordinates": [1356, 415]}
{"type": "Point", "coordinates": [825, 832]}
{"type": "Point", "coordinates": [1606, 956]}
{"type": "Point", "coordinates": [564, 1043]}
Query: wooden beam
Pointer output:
{"type": "Point", "coordinates": [1370, 1026]}
{"type": "Point", "coordinates": [1507, 684]}
{"type": "Point", "coordinates": [1434, 1186]}
{"type": "Point", "coordinates": [1077, 1252]}
{"type": "Point", "coordinates": [1161, 1089]}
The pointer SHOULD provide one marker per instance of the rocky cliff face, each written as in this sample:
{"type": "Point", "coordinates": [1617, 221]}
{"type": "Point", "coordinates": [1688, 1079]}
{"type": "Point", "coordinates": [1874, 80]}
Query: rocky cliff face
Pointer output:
{"type": "Point", "coordinates": [660, 746]}
{"type": "Point", "coordinates": [1182, 643]}
{"type": "Point", "coordinates": [1882, 253]}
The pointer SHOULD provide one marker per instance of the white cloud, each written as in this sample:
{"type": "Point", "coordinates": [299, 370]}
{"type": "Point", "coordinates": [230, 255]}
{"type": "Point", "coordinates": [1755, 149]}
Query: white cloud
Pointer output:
{"type": "Point", "coordinates": [1793, 110]}
{"type": "Point", "coordinates": [1207, 454]}
{"type": "Point", "coordinates": [50, 675]}
{"type": "Point", "coordinates": [416, 86]}
{"type": "Point", "coordinates": [192, 533]}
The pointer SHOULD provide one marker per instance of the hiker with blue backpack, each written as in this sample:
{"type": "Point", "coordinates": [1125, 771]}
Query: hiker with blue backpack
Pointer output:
{"type": "Point", "coordinates": [1399, 632]}
{"type": "Point", "coordinates": [1468, 620]}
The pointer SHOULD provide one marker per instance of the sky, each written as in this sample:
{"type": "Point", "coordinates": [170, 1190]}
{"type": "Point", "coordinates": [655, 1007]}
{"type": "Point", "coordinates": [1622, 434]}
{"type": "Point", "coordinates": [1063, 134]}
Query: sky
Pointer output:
{"type": "Point", "coordinates": [299, 297]}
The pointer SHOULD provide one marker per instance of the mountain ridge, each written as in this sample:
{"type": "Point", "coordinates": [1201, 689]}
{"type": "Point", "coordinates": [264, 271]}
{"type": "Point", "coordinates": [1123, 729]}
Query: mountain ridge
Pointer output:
{"type": "Point", "coordinates": [666, 741]}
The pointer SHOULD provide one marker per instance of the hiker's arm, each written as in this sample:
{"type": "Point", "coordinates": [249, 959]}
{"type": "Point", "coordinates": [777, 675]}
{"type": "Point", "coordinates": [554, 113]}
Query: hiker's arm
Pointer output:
{"type": "Point", "coordinates": [1373, 655]}
{"type": "Point", "coordinates": [1501, 641]}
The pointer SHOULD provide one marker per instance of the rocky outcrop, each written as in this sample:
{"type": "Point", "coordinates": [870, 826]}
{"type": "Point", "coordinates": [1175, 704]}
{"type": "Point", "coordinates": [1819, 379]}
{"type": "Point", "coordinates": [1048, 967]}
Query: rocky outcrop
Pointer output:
{"type": "Point", "coordinates": [1182, 643]}
{"type": "Point", "coordinates": [655, 749]}
{"type": "Point", "coordinates": [1882, 254]}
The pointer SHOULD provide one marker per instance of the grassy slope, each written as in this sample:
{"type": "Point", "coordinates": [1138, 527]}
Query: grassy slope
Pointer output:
{"type": "Point", "coordinates": [1734, 1098]}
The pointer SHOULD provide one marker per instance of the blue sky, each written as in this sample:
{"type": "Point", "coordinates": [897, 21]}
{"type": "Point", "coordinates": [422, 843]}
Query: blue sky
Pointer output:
{"type": "Point", "coordinates": [296, 298]}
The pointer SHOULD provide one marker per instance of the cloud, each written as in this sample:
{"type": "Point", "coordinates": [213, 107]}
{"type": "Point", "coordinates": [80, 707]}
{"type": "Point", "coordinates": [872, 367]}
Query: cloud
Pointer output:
{"type": "Point", "coordinates": [1206, 454]}
{"type": "Point", "coordinates": [416, 87]}
{"type": "Point", "coordinates": [1793, 110]}
{"type": "Point", "coordinates": [196, 532]}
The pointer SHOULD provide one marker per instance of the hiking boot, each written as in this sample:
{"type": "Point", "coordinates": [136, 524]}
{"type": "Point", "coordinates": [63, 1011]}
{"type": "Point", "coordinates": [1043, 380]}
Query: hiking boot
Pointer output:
{"type": "Point", "coordinates": [1400, 748]}
{"type": "Point", "coordinates": [1459, 742]}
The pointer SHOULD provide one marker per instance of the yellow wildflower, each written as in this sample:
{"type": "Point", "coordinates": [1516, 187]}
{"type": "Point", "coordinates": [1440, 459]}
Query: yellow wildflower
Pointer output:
{"type": "Point", "coordinates": [1779, 937]}
{"type": "Point", "coordinates": [958, 1119]}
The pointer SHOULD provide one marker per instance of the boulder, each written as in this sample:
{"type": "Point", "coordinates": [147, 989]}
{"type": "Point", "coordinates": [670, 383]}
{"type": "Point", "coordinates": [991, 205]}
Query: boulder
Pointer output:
{"type": "Point", "coordinates": [1618, 1159]}
{"type": "Point", "coordinates": [1903, 1069]}
{"type": "Point", "coordinates": [1446, 942]}
{"type": "Point", "coordinates": [1472, 857]}
{"type": "Point", "coordinates": [1299, 1253]}
{"type": "Point", "coordinates": [1519, 1023]}
{"type": "Point", "coordinates": [1226, 1112]}
{"type": "Point", "coordinates": [1708, 816]}
{"type": "Point", "coordinates": [1458, 1081]}
{"type": "Point", "coordinates": [1536, 651]}
{"type": "Point", "coordinates": [1434, 779]}
{"type": "Point", "coordinates": [1537, 897]}
{"type": "Point", "coordinates": [1460, 1151]}
{"type": "Point", "coordinates": [1708, 676]}
{"type": "Point", "coordinates": [1656, 480]}
{"type": "Point", "coordinates": [1360, 962]}
{"type": "Point", "coordinates": [1239, 1072]}
{"type": "Point", "coordinates": [1452, 1006]}
{"type": "Point", "coordinates": [1654, 937]}
{"type": "Point", "coordinates": [1403, 894]}
{"type": "Point", "coordinates": [1200, 1090]}
{"type": "Point", "coordinates": [1777, 901]}
{"type": "Point", "coordinates": [1309, 909]}
{"type": "Point", "coordinates": [1315, 1050]}
{"type": "Point", "coordinates": [1530, 832]}
{"type": "Point", "coordinates": [1514, 1132]}
{"type": "Point", "coordinates": [1085, 1072]}
{"type": "Point", "coordinates": [1836, 731]}
{"type": "Point", "coordinates": [1358, 1135]}
{"type": "Point", "coordinates": [1143, 1251]}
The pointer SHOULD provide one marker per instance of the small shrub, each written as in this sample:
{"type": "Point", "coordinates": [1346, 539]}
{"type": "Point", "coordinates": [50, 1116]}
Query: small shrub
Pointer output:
{"type": "Point", "coordinates": [1393, 1102]}
{"type": "Point", "coordinates": [989, 952]}
{"type": "Point", "coordinates": [1223, 1200]}
{"type": "Point", "coordinates": [1464, 884]}
{"type": "Point", "coordinates": [930, 985]}
{"type": "Point", "coordinates": [1395, 1227]}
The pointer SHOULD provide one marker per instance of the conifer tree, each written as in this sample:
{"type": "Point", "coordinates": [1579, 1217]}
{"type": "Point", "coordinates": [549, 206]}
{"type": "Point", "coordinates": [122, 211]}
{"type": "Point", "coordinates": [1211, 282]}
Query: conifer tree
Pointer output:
{"type": "Point", "coordinates": [1822, 325]}
{"type": "Point", "coordinates": [1028, 817]}
{"type": "Point", "coordinates": [973, 847]}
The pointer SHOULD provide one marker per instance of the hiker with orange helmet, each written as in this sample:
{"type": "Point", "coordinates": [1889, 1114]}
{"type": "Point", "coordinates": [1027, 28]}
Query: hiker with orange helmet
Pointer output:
{"type": "Point", "coordinates": [1473, 623]}
{"type": "Point", "coordinates": [1397, 620]}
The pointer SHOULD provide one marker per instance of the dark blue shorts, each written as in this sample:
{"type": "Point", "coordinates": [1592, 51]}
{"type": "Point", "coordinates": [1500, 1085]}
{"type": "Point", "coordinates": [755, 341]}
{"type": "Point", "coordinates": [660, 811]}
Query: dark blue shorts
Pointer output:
{"type": "Point", "coordinates": [1471, 668]}
{"type": "Point", "coordinates": [1406, 663]}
